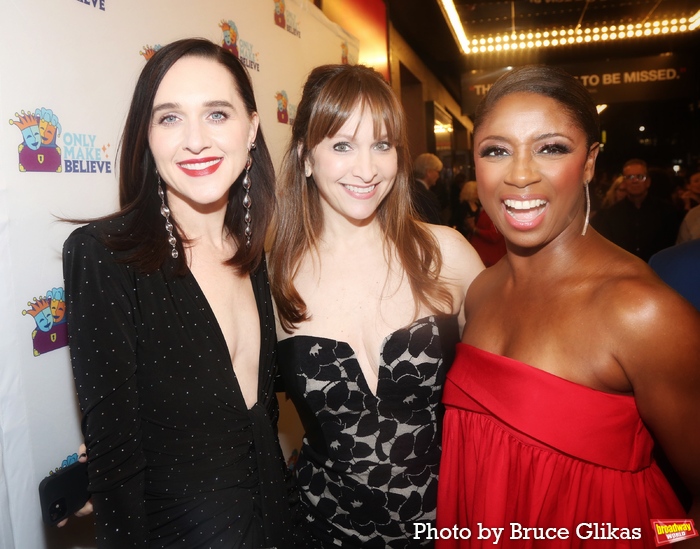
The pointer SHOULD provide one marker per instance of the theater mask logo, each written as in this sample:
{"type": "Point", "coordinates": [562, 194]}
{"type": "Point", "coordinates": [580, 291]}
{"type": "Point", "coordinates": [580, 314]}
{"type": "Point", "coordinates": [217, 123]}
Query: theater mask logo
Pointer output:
{"type": "Point", "coordinates": [286, 19]}
{"type": "Point", "coordinates": [286, 112]}
{"type": "Point", "coordinates": [40, 151]}
{"type": "Point", "coordinates": [149, 51]}
{"type": "Point", "coordinates": [240, 48]}
{"type": "Point", "coordinates": [50, 328]}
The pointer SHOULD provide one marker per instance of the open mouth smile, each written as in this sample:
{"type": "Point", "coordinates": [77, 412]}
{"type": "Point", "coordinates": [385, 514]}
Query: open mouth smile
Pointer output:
{"type": "Point", "coordinates": [525, 211]}
{"type": "Point", "coordinates": [205, 166]}
{"type": "Point", "coordinates": [360, 190]}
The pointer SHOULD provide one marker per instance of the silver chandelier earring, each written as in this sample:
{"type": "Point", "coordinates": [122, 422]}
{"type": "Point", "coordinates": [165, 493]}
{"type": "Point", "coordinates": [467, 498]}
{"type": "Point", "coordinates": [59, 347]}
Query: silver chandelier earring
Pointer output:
{"type": "Point", "coordinates": [165, 212]}
{"type": "Point", "coordinates": [246, 199]}
{"type": "Point", "coordinates": [588, 209]}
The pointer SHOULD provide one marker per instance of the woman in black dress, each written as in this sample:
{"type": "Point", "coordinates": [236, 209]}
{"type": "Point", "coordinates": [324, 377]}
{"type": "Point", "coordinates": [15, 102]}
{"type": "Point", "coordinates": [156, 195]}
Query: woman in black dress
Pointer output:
{"type": "Point", "coordinates": [170, 319]}
{"type": "Point", "coordinates": [369, 303]}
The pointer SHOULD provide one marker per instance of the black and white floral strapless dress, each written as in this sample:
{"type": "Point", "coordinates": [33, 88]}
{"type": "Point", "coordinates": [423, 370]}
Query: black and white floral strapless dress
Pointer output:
{"type": "Point", "coordinates": [368, 465]}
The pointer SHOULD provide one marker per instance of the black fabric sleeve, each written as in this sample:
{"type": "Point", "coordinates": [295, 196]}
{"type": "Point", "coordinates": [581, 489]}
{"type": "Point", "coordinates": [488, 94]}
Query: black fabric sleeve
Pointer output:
{"type": "Point", "coordinates": [102, 315]}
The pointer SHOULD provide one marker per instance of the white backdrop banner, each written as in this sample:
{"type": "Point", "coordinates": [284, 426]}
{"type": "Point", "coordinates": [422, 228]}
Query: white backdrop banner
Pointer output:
{"type": "Point", "coordinates": [67, 71]}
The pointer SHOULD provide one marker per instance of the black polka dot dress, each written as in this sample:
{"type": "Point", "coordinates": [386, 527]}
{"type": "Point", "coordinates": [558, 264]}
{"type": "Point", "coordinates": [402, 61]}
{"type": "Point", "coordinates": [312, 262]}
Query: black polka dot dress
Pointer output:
{"type": "Point", "coordinates": [176, 459]}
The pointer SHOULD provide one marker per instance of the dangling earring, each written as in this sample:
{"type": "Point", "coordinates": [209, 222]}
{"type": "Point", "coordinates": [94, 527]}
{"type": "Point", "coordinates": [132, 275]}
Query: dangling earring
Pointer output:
{"type": "Point", "coordinates": [246, 199]}
{"type": "Point", "coordinates": [588, 209]}
{"type": "Point", "coordinates": [165, 212]}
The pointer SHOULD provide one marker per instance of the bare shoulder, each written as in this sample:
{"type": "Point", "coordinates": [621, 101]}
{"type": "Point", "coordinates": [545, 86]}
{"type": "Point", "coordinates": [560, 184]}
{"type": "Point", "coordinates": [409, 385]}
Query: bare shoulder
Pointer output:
{"type": "Point", "coordinates": [644, 308]}
{"type": "Point", "coordinates": [461, 262]}
{"type": "Point", "coordinates": [653, 333]}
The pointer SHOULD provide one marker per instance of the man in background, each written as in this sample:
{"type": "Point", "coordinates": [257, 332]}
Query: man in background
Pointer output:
{"type": "Point", "coordinates": [426, 172]}
{"type": "Point", "coordinates": [641, 223]}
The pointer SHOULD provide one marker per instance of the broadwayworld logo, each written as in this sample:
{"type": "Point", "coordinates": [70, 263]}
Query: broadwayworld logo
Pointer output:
{"type": "Point", "coordinates": [672, 531]}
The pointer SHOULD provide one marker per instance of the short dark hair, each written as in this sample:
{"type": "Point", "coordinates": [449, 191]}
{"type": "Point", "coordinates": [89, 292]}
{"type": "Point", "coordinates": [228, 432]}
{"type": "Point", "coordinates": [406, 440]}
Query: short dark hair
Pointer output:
{"type": "Point", "coordinates": [635, 162]}
{"type": "Point", "coordinates": [550, 82]}
{"type": "Point", "coordinates": [145, 237]}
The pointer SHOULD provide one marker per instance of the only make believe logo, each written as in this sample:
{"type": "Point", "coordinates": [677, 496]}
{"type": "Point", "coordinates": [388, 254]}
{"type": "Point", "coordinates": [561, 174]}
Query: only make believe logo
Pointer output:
{"type": "Point", "coordinates": [98, 4]}
{"type": "Point", "coordinates": [286, 112]}
{"type": "Point", "coordinates": [49, 313]}
{"type": "Point", "coordinates": [286, 19]}
{"type": "Point", "coordinates": [39, 150]}
{"type": "Point", "coordinates": [238, 47]}
{"type": "Point", "coordinates": [671, 531]}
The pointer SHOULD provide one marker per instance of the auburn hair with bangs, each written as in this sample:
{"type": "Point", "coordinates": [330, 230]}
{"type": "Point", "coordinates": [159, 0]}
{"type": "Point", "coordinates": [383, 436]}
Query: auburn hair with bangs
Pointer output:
{"type": "Point", "coordinates": [331, 95]}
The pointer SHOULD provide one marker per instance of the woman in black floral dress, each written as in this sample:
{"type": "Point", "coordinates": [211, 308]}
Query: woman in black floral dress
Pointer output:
{"type": "Point", "coordinates": [369, 304]}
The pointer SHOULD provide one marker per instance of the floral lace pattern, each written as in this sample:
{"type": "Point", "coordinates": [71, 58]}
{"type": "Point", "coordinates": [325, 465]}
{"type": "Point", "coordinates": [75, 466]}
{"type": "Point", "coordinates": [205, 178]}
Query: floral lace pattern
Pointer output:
{"type": "Point", "coordinates": [368, 467]}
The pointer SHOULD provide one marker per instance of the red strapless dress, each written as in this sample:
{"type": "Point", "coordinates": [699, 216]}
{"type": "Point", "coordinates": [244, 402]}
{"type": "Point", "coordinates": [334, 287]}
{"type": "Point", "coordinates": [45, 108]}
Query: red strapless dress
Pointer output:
{"type": "Point", "coordinates": [523, 446]}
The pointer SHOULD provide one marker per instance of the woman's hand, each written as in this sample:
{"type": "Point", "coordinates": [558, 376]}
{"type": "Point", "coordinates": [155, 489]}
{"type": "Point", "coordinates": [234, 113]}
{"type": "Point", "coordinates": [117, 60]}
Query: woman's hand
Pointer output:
{"type": "Point", "coordinates": [87, 508]}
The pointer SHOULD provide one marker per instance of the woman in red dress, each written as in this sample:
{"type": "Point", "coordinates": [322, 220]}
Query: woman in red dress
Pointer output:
{"type": "Point", "coordinates": [487, 241]}
{"type": "Point", "coordinates": [573, 356]}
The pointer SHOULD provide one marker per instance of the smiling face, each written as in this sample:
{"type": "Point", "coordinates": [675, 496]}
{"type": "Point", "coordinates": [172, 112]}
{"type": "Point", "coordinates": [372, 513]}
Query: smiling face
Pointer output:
{"type": "Point", "coordinates": [48, 132]}
{"type": "Point", "coordinates": [354, 170]}
{"type": "Point", "coordinates": [531, 164]}
{"type": "Point", "coordinates": [637, 180]}
{"type": "Point", "coordinates": [32, 137]}
{"type": "Point", "coordinates": [44, 320]}
{"type": "Point", "coordinates": [200, 133]}
{"type": "Point", "coordinates": [58, 310]}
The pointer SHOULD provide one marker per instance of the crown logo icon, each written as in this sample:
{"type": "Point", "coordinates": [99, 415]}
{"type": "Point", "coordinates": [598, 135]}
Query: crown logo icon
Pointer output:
{"type": "Point", "coordinates": [149, 51]}
{"type": "Point", "coordinates": [35, 308]}
{"type": "Point", "coordinates": [25, 120]}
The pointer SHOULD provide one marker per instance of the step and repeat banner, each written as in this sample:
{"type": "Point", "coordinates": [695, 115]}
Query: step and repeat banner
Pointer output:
{"type": "Point", "coordinates": [67, 72]}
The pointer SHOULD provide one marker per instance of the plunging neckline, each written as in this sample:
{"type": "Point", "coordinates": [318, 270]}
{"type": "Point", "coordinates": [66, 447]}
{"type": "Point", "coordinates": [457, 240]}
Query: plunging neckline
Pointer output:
{"type": "Point", "coordinates": [208, 312]}
{"type": "Point", "coordinates": [353, 354]}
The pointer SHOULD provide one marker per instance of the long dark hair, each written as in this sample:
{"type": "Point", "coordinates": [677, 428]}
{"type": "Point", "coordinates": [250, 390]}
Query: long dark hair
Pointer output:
{"type": "Point", "coordinates": [331, 95]}
{"type": "Point", "coordinates": [145, 238]}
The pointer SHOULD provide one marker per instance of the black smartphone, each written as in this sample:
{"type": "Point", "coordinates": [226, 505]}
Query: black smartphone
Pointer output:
{"type": "Point", "coordinates": [63, 493]}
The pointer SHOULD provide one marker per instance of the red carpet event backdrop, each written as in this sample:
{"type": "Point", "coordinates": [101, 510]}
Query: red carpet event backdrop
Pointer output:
{"type": "Point", "coordinates": [67, 71]}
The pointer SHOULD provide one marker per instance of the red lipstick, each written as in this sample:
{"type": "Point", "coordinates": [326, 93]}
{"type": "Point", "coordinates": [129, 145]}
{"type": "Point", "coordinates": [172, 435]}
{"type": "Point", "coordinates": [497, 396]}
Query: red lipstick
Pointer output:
{"type": "Point", "coordinates": [198, 167]}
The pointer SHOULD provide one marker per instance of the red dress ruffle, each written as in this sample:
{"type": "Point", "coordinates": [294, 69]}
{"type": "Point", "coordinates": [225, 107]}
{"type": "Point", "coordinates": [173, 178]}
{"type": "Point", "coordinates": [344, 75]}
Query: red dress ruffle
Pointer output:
{"type": "Point", "coordinates": [523, 446]}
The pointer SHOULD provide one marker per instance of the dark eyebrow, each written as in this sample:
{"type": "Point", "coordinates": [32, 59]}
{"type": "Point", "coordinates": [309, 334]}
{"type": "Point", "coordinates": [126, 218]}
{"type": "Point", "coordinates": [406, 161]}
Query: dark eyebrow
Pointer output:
{"type": "Point", "coordinates": [170, 106]}
{"type": "Point", "coordinates": [218, 103]}
{"type": "Point", "coordinates": [495, 137]}
{"type": "Point", "coordinates": [164, 107]}
{"type": "Point", "coordinates": [538, 138]}
{"type": "Point", "coordinates": [490, 138]}
{"type": "Point", "coordinates": [550, 135]}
